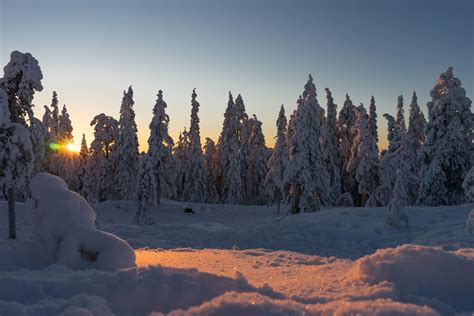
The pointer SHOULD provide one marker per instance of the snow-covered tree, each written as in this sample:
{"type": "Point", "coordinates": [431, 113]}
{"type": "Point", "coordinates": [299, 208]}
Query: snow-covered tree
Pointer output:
{"type": "Point", "coordinates": [364, 156]}
{"type": "Point", "coordinates": [446, 156]}
{"type": "Point", "coordinates": [99, 180]}
{"type": "Point", "coordinates": [196, 185]}
{"type": "Point", "coordinates": [332, 144]}
{"type": "Point", "coordinates": [400, 121]}
{"type": "Point", "coordinates": [372, 123]}
{"type": "Point", "coordinates": [126, 149]}
{"type": "Point", "coordinates": [416, 123]}
{"type": "Point", "coordinates": [307, 179]}
{"type": "Point", "coordinates": [54, 128]}
{"type": "Point", "coordinates": [468, 185]}
{"type": "Point", "coordinates": [144, 191]}
{"type": "Point", "coordinates": [244, 131]}
{"type": "Point", "coordinates": [396, 214]}
{"type": "Point", "coordinates": [64, 127]}
{"type": "Point", "coordinates": [346, 121]}
{"type": "Point", "coordinates": [160, 149]}
{"type": "Point", "coordinates": [257, 163]}
{"type": "Point", "coordinates": [211, 164]}
{"type": "Point", "coordinates": [277, 163]}
{"type": "Point", "coordinates": [21, 78]}
{"type": "Point", "coordinates": [228, 152]}
{"type": "Point", "coordinates": [39, 139]}
{"type": "Point", "coordinates": [80, 167]}
{"type": "Point", "coordinates": [180, 156]}
{"type": "Point", "coordinates": [16, 159]}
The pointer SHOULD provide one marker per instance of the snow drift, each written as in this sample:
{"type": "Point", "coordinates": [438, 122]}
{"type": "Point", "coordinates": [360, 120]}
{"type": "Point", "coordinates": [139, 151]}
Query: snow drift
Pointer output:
{"type": "Point", "coordinates": [65, 224]}
{"type": "Point", "coordinates": [421, 274]}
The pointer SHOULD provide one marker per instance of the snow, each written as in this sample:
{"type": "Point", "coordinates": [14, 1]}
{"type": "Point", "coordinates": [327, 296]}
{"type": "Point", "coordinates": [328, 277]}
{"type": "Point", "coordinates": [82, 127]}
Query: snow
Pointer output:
{"type": "Point", "coordinates": [243, 260]}
{"type": "Point", "coordinates": [64, 223]}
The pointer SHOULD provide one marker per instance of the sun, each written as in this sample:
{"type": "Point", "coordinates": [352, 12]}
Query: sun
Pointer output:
{"type": "Point", "coordinates": [70, 147]}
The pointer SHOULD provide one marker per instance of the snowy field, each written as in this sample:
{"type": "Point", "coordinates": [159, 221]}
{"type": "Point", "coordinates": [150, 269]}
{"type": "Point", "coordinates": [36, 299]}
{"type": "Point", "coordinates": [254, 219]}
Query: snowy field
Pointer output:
{"type": "Point", "coordinates": [249, 260]}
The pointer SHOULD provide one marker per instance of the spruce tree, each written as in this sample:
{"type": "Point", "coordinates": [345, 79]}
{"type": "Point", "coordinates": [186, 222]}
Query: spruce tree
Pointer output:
{"type": "Point", "coordinates": [277, 163]}
{"type": "Point", "coordinates": [196, 185]}
{"type": "Point", "coordinates": [126, 149]}
{"type": "Point", "coordinates": [307, 179]}
{"type": "Point", "coordinates": [257, 163]}
{"type": "Point", "coordinates": [396, 214]}
{"type": "Point", "coordinates": [160, 149]}
{"type": "Point", "coordinates": [64, 135]}
{"type": "Point", "coordinates": [446, 156]}
{"type": "Point", "coordinates": [417, 123]}
{"type": "Point", "coordinates": [230, 171]}
{"type": "Point", "coordinates": [21, 79]}
{"type": "Point", "coordinates": [211, 165]}
{"type": "Point", "coordinates": [244, 130]}
{"type": "Point", "coordinates": [346, 121]}
{"type": "Point", "coordinates": [80, 168]}
{"type": "Point", "coordinates": [144, 191]}
{"type": "Point", "coordinates": [100, 175]}
{"type": "Point", "coordinates": [333, 160]}
{"type": "Point", "coordinates": [364, 156]}
{"type": "Point", "coordinates": [181, 156]}
{"type": "Point", "coordinates": [468, 186]}
{"type": "Point", "coordinates": [372, 123]}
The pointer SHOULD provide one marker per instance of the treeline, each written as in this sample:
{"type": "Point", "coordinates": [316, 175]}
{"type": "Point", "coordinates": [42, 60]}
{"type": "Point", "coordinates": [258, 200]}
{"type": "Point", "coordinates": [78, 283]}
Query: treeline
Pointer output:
{"type": "Point", "coordinates": [321, 157]}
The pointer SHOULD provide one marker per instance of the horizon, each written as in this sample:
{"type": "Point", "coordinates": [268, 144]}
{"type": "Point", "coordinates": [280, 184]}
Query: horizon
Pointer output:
{"type": "Point", "coordinates": [237, 46]}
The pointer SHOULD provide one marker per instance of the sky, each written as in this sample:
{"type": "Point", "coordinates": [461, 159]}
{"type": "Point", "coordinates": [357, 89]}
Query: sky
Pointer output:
{"type": "Point", "coordinates": [90, 51]}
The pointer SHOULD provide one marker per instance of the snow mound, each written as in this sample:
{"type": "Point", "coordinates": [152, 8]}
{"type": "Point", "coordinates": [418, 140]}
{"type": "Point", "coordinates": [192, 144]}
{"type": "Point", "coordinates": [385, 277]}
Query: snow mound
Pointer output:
{"type": "Point", "coordinates": [65, 224]}
{"type": "Point", "coordinates": [421, 274]}
{"type": "Point", "coordinates": [233, 303]}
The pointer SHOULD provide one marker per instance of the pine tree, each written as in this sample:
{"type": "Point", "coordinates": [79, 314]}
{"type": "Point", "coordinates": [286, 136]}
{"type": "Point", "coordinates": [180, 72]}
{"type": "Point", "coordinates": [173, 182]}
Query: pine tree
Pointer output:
{"type": "Point", "coordinates": [160, 149]}
{"type": "Point", "coordinates": [126, 149]}
{"type": "Point", "coordinates": [99, 180]}
{"type": "Point", "coordinates": [211, 165]}
{"type": "Point", "coordinates": [228, 152]}
{"type": "Point", "coordinates": [307, 179]}
{"type": "Point", "coordinates": [333, 160]}
{"type": "Point", "coordinates": [364, 156]}
{"type": "Point", "coordinates": [144, 191]}
{"type": "Point", "coordinates": [346, 121]}
{"type": "Point", "coordinates": [196, 185]}
{"type": "Point", "coordinates": [446, 155]}
{"type": "Point", "coordinates": [396, 214]}
{"type": "Point", "coordinates": [278, 161]}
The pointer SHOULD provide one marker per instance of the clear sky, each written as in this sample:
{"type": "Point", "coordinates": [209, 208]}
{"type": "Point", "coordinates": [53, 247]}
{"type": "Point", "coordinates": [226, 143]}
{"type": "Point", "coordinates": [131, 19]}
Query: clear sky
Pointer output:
{"type": "Point", "coordinates": [90, 51]}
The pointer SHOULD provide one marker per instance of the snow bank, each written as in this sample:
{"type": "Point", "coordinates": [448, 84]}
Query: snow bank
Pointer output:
{"type": "Point", "coordinates": [58, 289]}
{"type": "Point", "coordinates": [65, 223]}
{"type": "Point", "coordinates": [233, 303]}
{"type": "Point", "coordinates": [422, 274]}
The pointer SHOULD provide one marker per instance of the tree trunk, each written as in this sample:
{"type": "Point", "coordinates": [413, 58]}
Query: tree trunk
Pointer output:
{"type": "Point", "coordinates": [11, 213]}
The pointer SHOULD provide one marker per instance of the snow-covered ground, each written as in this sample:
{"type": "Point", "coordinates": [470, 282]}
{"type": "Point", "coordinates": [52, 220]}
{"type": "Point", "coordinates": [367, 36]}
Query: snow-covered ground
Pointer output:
{"type": "Point", "coordinates": [249, 260]}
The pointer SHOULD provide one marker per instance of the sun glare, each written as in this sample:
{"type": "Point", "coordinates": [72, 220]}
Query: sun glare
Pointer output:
{"type": "Point", "coordinates": [71, 147]}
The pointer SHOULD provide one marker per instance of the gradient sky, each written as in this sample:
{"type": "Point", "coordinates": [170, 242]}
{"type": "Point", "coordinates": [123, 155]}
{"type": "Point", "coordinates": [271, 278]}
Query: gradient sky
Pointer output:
{"type": "Point", "coordinates": [90, 51]}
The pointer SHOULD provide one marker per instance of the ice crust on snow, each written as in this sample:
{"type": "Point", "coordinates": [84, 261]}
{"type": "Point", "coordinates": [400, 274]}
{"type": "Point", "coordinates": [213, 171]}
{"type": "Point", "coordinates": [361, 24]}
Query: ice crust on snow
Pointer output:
{"type": "Point", "coordinates": [65, 223]}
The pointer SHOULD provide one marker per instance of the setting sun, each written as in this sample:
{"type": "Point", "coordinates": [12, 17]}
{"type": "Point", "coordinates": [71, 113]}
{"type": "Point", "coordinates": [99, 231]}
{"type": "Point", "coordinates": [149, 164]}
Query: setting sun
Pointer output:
{"type": "Point", "coordinates": [71, 147]}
